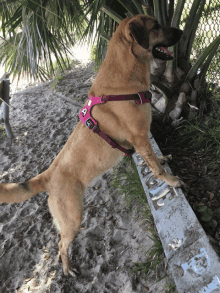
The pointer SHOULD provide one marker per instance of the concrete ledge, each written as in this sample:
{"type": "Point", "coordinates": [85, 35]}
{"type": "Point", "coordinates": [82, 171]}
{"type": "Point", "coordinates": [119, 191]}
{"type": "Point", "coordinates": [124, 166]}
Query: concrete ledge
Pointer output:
{"type": "Point", "coordinates": [194, 264]}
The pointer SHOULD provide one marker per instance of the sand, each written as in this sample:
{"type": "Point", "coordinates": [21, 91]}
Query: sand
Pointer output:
{"type": "Point", "coordinates": [111, 238]}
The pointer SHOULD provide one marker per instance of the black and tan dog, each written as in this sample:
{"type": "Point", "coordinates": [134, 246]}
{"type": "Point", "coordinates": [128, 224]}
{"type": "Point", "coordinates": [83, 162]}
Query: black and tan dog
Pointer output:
{"type": "Point", "coordinates": [125, 70]}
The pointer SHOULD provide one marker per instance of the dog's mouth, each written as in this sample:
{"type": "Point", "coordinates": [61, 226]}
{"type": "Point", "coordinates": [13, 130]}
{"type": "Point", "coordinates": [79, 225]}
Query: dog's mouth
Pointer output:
{"type": "Point", "coordinates": [162, 53]}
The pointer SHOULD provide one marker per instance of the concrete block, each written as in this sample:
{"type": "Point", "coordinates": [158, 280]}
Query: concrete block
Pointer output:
{"type": "Point", "coordinates": [196, 268]}
{"type": "Point", "coordinates": [194, 263]}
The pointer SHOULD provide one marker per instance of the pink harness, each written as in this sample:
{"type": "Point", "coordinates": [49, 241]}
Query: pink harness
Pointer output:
{"type": "Point", "coordinates": [86, 117]}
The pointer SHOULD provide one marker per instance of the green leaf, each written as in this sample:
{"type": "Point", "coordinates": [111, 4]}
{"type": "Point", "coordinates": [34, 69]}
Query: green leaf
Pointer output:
{"type": "Point", "coordinates": [105, 37]}
{"type": "Point", "coordinates": [201, 209]}
{"type": "Point", "coordinates": [207, 63]}
{"type": "Point", "coordinates": [213, 224]}
{"type": "Point", "coordinates": [112, 14]}
{"type": "Point", "coordinates": [33, 31]}
{"type": "Point", "coordinates": [128, 6]}
{"type": "Point", "coordinates": [157, 11]}
{"type": "Point", "coordinates": [206, 218]}
{"type": "Point", "coordinates": [178, 13]}
{"type": "Point", "coordinates": [170, 12]}
{"type": "Point", "coordinates": [209, 212]}
{"type": "Point", "coordinates": [164, 12]}
{"type": "Point", "coordinates": [138, 5]}
{"type": "Point", "coordinates": [150, 3]}
{"type": "Point", "coordinates": [209, 50]}
{"type": "Point", "coordinates": [193, 31]}
{"type": "Point", "coordinates": [188, 27]}
{"type": "Point", "coordinates": [147, 10]}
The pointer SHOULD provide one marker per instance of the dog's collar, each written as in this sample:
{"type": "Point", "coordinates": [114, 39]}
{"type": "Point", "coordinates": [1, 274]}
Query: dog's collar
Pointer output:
{"type": "Point", "coordinates": [87, 119]}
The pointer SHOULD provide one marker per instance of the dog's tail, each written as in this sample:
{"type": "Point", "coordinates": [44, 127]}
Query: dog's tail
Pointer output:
{"type": "Point", "coordinates": [17, 192]}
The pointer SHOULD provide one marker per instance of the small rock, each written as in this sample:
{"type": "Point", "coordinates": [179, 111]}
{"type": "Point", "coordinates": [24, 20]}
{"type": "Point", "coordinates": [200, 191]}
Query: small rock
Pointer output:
{"type": "Point", "coordinates": [185, 87]}
{"type": "Point", "coordinates": [161, 105]}
{"type": "Point", "coordinates": [176, 122]}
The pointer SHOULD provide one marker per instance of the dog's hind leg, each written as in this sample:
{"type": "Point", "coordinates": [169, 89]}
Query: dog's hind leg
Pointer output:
{"type": "Point", "coordinates": [66, 209]}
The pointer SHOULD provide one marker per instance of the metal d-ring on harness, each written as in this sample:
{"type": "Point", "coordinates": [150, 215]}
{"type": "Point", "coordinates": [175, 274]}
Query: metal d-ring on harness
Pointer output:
{"type": "Point", "coordinates": [87, 119]}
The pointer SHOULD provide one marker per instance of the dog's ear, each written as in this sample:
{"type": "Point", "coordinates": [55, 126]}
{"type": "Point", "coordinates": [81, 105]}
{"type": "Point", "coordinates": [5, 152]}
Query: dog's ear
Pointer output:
{"type": "Point", "coordinates": [140, 34]}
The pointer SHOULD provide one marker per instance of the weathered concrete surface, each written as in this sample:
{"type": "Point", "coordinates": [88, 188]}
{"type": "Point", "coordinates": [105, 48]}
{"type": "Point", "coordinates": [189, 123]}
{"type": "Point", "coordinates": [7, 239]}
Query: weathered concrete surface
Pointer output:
{"type": "Point", "coordinates": [194, 264]}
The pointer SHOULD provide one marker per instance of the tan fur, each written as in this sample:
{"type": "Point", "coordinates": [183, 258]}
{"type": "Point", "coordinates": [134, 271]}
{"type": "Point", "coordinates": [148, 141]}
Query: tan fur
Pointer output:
{"type": "Point", "coordinates": [86, 155]}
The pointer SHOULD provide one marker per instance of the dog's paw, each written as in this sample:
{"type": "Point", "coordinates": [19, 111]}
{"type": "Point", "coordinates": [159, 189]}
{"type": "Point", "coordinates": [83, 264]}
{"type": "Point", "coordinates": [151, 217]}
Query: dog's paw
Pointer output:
{"type": "Point", "coordinates": [70, 271]}
{"type": "Point", "coordinates": [173, 181]}
{"type": "Point", "coordinates": [164, 159]}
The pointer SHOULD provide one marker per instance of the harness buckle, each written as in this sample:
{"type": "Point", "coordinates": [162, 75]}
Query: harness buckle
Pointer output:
{"type": "Point", "coordinates": [95, 129]}
{"type": "Point", "coordinates": [90, 124]}
{"type": "Point", "coordinates": [104, 99]}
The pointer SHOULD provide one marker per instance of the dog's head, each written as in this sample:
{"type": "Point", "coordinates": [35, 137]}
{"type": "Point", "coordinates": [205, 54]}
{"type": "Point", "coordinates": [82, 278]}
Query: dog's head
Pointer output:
{"type": "Point", "coordinates": [152, 36]}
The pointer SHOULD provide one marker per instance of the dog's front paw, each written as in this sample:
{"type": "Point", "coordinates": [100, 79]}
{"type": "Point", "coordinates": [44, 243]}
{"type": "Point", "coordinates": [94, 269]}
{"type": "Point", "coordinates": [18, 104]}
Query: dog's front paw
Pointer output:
{"type": "Point", "coordinates": [173, 181]}
{"type": "Point", "coordinates": [164, 159]}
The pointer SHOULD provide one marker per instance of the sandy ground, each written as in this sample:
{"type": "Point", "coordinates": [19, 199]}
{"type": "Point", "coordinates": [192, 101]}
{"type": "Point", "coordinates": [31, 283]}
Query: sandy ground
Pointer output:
{"type": "Point", "coordinates": [111, 239]}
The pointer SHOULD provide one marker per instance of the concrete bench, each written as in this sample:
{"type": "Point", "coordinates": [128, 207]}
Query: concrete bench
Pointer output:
{"type": "Point", "coordinates": [194, 264]}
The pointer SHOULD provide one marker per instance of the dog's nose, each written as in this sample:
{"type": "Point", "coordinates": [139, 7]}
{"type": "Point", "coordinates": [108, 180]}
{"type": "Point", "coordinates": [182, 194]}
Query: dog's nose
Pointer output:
{"type": "Point", "coordinates": [176, 31]}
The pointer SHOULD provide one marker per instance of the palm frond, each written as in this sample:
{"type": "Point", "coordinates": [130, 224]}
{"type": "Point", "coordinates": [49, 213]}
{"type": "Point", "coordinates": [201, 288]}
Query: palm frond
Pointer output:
{"type": "Point", "coordinates": [129, 7]}
{"type": "Point", "coordinates": [189, 27]}
{"type": "Point", "coordinates": [211, 49]}
{"type": "Point", "coordinates": [115, 16]}
{"type": "Point", "coordinates": [178, 13]}
{"type": "Point", "coordinates": [138, 6]}
{"type": "Point", "coordinates": [102, 23]}
{"type": "Point", "coordinates": [193, 31]}
{"type": "Point", "coordinates": [45, 30]}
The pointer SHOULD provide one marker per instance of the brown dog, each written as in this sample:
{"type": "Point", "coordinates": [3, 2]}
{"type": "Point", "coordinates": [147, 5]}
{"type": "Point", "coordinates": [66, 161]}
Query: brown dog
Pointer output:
{"type": "Point", "coordinates": [125, 70]}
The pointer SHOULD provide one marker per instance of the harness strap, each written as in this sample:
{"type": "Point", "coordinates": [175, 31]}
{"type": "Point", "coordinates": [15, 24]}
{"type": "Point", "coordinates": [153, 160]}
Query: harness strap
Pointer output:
{"type": "Point", "coordinates": [114, 144]}
{"type": "Point", "coordinates": [142, 98]}
{"type": "Point", "coordinates": [87, 119]}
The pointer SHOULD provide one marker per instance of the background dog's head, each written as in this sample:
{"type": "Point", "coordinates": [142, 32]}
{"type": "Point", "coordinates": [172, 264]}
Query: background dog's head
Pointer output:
{"type": "Point", "coordinates": [152, 36]}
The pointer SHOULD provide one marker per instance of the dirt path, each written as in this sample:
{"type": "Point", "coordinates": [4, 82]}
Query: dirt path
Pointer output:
{"type": "Point", "coordinates": [110, 239]}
